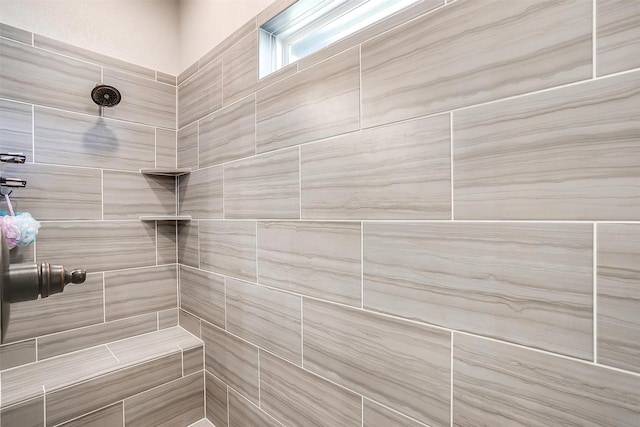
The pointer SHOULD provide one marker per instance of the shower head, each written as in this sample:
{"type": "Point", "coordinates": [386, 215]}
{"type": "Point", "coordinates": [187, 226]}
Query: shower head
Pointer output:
{"type": "Point", "coordinates": [106, 96]}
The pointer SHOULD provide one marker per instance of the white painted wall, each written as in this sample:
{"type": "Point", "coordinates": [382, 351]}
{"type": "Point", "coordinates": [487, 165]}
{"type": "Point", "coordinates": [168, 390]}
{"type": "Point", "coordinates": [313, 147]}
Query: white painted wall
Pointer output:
{"type": "Point", "coordinates": [144, 32]}
{"type": "Point", "coordinates": [206, 23]}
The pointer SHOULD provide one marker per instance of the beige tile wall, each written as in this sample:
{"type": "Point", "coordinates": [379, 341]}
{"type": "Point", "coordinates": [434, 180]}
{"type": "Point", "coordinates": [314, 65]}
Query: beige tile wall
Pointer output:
{"type": "Point", "coordinates": [84, 185]}
{"type": "Point", "coordinates": [433, 222]}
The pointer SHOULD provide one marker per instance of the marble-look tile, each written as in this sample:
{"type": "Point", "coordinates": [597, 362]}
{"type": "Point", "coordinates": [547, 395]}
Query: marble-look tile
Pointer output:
{"type": "Point", "coordinates": [143, 100]}
{"type": "Point", "coordinates": [190, 323]}
{"type": "Point", "coordinates": [403, 365]}
{"type": "Point", "coordinates": [178, 403]}
{"type": "Point", "coordinates": [566, 154]}
{"type": "Point", "coordinates": [73, 139]}
{"type": "Point", "coordinates": [246, 414]}
{"type": "Point", "coordinates": [203, 294]}
{"type": "Point", "coordinates": [16, 34]}
{"type": "Point", "coordinates": [319, 102]}
{"type": "Point", "coordinates": [187, 73]}
{"type": "Point", "coordinates": [127, 195]}
{"type": "Point", "coordinates": [89, 336]}
{"type": "Point", "coordinates": [26, 382]}
{"type": "Point", "coordinates": [143, 290]}
{"type": "Point", "coordinates": [202, 423]}
{"type": "Point", "coordinates": [111, 416]}
{"type": "Point", "coordinates": [229, 248]}
{"type": "Point", "coordinates": [318, 259]}
{"type": "Point", "coordinates": [166, 148]}
{"type": "Point", "coordinates": [187, 156]}
{"type": "Point", "coordinates": [200, 193]}
{"type": "Point", "coordinates": [297, 397]}
{"type": "Point", "coordinates": [228, 42]}
{"type": "Point", "coordinates": [201, 94]}
{"type": "Point", "coordinates": [497, 384]}
{"type": "Point", "coordinates": [401, 171]}
{"type": "Point", "coordinates": [98, 246]}
{"type": "Point", "coordinates": [233, 361]}
{"type": "Point", "coordinates": [266, 186]}
{"type": "Point", "coordinates": [166, 78]}
{"type": "Point", "coordinates": [22, 254]}
{"type": "Point", "coordinates": [617, 36]}
{"type": "Point", "coordinates": [66, 49]}
{"type": "Point", "coordinates": [192, 361]}
{"type": "Point", "coordinates": [168, 318]}
{"type": "Point", "coordinates": [228, 134]}
{"type": "Point", "coordinates": [240, 69]}
{"type": "Point", "coordinates": [188, 244]}
{"type": "Point", "coordinates": [472, 52]}
{"type": "Point", "coordinates": [16, 354]}
{"type": "Point", "coordinates": [531, 284]}
{"type": "Point", "coordinates": [15, 128]}
{"type": "Point", "coordinates": [57, 192]}
{"type": "Point", "coordinates": [166, 235]}
{"type": "Point", "coordinates": [278, 75]}
{"type": "Point", "coordinates": [151, 346]}
{"type": "Point", "coordinates": [619, 295]}
{"type": "Point", "coordinates": [67, 403]}
{"type": "Point", "coordinates": [265, 317]}
{"type": "Point", "coordinates": [29, 413]}
{"type": "Point", "coordinates": [376, 415]}
{"type": "Point", "coordinates": [39, 77]}
{"type": "Point", "coordinates": [216, 395]}
{"type": "Point", "coordinates": [79, 305]}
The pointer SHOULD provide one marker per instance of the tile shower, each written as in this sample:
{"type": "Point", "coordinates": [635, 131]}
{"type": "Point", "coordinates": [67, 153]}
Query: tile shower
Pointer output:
{"type": "Point", "coordinates": [433, 222]}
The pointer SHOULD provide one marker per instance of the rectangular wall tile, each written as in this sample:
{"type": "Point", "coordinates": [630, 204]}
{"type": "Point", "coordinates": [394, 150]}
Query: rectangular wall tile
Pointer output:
{"type": "Point", "coordinates": [98, 246]}
{"type": "Point", "coordinates": [143, 348]}
{"type": "Point", "coordinates": [78, 140]}
{"type": "Point", "coordinates": [127, 195]}
{"type": "Point", "coordinates": [35, 76]}
{"type": "Point", "coordinates": [618, 35]}
{"type": "Point", "coordinates": [166, 78]}
{"type": "Point", "coordinates": [168, 318]}
{"type": "Point", "coordinates": [188, 147]}
{"type": "Point", "coordinates": [571, 153]}
{"type": "Point", "coordinates": [131, 292]}
{"type": "Point", "coordinates": [316, 103]}
{"type": "Point", "coordinates": [77, 339]}
{"type": "Point", "coordinates": [473, 52]}
{"type": "Point", "coordinates": [297, 397]}
{"type": "Point", "coordinates": [166, 235]}
{"type": "Point", "coordinates": [266, 186]}
{"type": "Point", "coordinates": [203, 294]}
{"type": "Point", "coordinates": [228, 134]}
{"type": "Point", "coordinates": [500, 384]}
{"type": "Point", "coordinates": [265, 317]}
{"type": "Point", "coordinates": [192, 361]}
{"type": "Point", "coordinates": [401, 171]}
{"type": "Point", "coordinates": [229, 248]}
{"type": "Point", "coordinates": [179, 402]}
{"type": "Point", "coordinates": [57, 192]}
{"type": "Point", "coordinates": [29, 413]}
{"type": "Point", "coordinates": [98, 392]}
{"type": "Point", "coordinates": [244, 413]}
{"type": "Point", "coordinates": [402, 365]}
{"type": "Point", "coordinates": [216, 395]}
{"type": "Point", "coordinates": [143, 100]}
{"type": "Point", "coordinates": [240, 33]}
{"type": "Point", "coordinates": [378, 416]}
{"type": "Point", "coordinates": [78, 306]}
{"type": "Point", "coordinates": [15, 128]}
{"type": "Point", "coordinates": [166, 148]}
{"type": "Point", "coordinates": [619, 295]}
{"type": "Point", "coordinates": [16, 354]}
{"type": "Point", "coordinates": [201, 94]}
{"type": "Point", "coordinates": [319, 259]}
{"type": "Point", "coordinates": [111, 416]}
{"type": "Point", "coordinates": [240, 69]}
{"type": "Point", "coordinates": [187, 73]}
{"type": "Point", "coordinates": [200, 193]}
{"type": "Point", "coordinates": [526, 283]}
{"type": "Point", "coordinates": [16, 34]}
{"type": "Point", "coordinates": [189, 323]}
{"type": "Point", "coordinates": [232, 360]}
{"type": "Point", "coordinates": [188, 244]}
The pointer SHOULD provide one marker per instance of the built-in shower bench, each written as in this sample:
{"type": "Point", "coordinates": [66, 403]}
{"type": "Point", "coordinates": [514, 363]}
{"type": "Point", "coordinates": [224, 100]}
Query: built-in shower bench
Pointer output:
{"type": "Point", "coordinates": [126, 372]}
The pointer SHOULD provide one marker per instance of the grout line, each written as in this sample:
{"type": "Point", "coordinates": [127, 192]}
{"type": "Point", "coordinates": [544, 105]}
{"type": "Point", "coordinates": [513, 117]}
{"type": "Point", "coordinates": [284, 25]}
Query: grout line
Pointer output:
{"type": "Point", "coordinates": [44, 404]}
{"type": "Point", "coordinates": [451, 159]}
{"type": "Point", "coordinates": [112, 353]}
{"type": "Point", "coordinates": [361, 411]}
{"type": "Point", "coordinates": [595, 292]}
{"type": "Point", "coordinates": [181, 358]}
{"type": "Point", "coordinates": [593, 39]}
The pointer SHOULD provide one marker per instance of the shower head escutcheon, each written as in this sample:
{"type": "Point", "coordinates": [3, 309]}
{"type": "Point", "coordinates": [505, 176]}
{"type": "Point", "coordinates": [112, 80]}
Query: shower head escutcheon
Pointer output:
{"type": "Point", "coordinates": [106, 96]}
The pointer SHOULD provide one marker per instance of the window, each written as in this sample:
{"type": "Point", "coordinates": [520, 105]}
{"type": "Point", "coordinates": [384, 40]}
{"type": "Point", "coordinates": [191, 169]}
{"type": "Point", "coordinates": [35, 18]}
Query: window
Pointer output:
{"type": "Point", "coordinates": [309, 25]}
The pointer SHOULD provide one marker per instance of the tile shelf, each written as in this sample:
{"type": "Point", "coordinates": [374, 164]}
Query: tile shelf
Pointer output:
{"type": "Point", "coordinates": [165, 217]}
{"type": "Point", "coordinates": [166, 171]}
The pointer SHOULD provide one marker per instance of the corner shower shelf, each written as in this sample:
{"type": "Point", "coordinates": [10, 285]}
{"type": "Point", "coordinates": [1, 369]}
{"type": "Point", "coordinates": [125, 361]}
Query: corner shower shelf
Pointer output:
{"type": "Point", "coordinates": [166, 171]}
{"type": "Point", "coordinates": [165, 218]}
